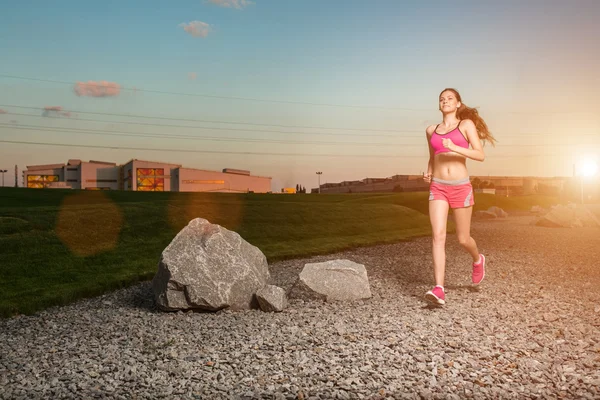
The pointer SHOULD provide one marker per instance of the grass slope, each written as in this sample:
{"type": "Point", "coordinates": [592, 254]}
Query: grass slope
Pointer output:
{"type": "Point", "coordinates": [61, 245]}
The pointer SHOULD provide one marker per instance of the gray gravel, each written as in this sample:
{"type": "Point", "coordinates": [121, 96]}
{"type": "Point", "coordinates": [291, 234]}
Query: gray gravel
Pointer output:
{"type": "Point", "coordinates": [531, 331]}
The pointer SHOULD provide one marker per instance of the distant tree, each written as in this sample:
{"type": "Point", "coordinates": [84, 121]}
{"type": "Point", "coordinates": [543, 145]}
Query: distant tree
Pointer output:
{"type": "Point", "coordinates": [398, 188]}
{"type": "Point", "coordinates": [476, 182]}
{"type": "Point", "coordinates": [297, 188]}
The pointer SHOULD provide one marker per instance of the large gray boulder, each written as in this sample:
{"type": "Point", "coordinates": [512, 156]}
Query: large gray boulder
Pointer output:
{"type": "Point", "coordinates": [207, 267]}
{"type": "Point", "coordinates": [332, 280]}
{"type": "Point", "coordinates": [569, 216]}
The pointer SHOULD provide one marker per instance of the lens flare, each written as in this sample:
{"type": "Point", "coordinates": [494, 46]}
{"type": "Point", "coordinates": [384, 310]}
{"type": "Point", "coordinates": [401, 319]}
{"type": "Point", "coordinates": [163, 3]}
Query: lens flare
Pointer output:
{"type": "Point", "coordinates": [223, 209]}
{"type": "Point", "coordinates": [89, 223]}
{"type": "Point", "coordinates": [589, 167]}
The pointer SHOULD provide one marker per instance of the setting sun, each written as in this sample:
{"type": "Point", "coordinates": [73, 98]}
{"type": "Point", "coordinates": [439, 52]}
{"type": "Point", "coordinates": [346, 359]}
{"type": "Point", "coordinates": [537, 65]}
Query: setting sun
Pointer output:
{"type": "Point", "coordinates": [589, 167]}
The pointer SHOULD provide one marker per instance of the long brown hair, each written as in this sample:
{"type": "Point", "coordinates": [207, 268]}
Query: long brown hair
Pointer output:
{"type": "Point", "coordinates": [466, 112]}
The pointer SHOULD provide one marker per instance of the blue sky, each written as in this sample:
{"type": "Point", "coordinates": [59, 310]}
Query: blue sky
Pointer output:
{"type": "Point", "coordinates": [371, 70]}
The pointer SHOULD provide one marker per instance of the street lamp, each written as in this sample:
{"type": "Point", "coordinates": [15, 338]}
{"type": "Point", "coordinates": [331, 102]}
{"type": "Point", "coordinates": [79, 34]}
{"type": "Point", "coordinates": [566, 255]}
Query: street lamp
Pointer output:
{"type": "Point", "coordinates": [3, 171]}
{"type": "Point", "coordinates": [319, 175]}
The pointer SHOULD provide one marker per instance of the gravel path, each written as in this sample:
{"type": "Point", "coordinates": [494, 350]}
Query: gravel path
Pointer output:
{"type": "Point", "coordinates": [532, 331]}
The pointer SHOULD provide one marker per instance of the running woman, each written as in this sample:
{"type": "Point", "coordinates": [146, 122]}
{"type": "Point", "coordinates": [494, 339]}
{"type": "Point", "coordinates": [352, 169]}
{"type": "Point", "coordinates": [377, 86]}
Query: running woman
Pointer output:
{"type": "Point", "coordinates": [461, 135]}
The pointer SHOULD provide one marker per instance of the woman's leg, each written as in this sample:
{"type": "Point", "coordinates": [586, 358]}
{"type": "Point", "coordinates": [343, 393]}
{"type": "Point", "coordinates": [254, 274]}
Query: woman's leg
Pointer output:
{"type": "Point", "coordinates": [438, 215]}
{"type": "Point", "coordinates": [462, 218]}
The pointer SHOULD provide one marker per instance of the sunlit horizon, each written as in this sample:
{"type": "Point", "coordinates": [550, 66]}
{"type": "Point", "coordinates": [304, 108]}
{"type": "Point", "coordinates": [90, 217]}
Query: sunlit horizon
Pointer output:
{"type": "Point", "coordinates": [285, 90]}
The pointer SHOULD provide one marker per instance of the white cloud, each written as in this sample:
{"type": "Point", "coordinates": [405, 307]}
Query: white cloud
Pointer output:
{"type": "Point", "coordinates": [239, 4]}
{"type": "Point", "coordinates": [196, 28]}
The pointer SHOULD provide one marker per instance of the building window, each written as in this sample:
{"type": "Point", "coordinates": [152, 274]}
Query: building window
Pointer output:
{"type": "Point", "coordinates": [214, 182]}
{"type": "Point", "coordinates": [150, 179]}
{"type": "Point", "coordinates": [40, 181]}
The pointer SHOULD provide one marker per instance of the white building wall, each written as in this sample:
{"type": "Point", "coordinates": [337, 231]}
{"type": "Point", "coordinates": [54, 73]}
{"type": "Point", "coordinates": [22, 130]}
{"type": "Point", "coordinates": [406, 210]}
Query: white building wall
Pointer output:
{"type": "Point", "coordinates": [72, 176]}
{"type": "Point", "coordinates": [175, 183]}
{"type": "Point", "coordinates": [128, 177]}
{"type": "Point", "coordinates": [99, 175]}
{"type": "Point", "coordinates": [196, 180]}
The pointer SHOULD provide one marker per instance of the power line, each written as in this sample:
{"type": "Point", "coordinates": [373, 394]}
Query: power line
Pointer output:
{"type": "Point", "coordinates": [214, 121]}
{"type": "Point", "coordinates": [213, 128]}
{"type": "Point", "coordinates": [228, 97]}
{"type": "Point", "coordinates": [186, 137]}
{"type": "Point", "coordinates": [420, 135]}
{"type": "Point", "coordinates": [207, 151]}
{"type": "Point", "coordinates": [101, 132]}
{"type": "Point", "coordinates": [257, 153]}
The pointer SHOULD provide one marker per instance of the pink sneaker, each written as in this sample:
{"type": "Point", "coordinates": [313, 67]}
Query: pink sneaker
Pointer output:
{"type": "Point", "coordinates": [478, 270]}
{"type": "Point", "coordinates": [436, 296]}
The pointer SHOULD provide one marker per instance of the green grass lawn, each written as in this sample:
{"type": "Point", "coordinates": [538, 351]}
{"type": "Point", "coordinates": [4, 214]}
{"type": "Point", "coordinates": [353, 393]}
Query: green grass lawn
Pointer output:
{"type": "Point", "coordinates": [62, 245]}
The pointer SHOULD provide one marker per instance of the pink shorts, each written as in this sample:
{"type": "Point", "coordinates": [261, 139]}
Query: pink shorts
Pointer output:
{"type": "Point", "coordinates": [457, 194]}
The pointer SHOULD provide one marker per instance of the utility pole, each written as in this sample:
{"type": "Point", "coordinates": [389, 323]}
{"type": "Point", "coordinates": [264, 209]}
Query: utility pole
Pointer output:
{"type": "Point", "coordinates": [16, 176]}
{"type": "Point", "coordinates": [319, 173]}
{"type": "Point", "coordinates": [3, 171]}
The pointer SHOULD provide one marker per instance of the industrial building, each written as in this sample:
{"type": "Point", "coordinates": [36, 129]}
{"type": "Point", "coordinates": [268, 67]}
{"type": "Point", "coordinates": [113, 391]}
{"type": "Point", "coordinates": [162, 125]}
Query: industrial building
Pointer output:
{"type": "Point", "coordinates": [500, 185]}
{"type": "Point", "coordinates": [140, 175]}
{"type": "Point", "coordinates": [404, 183]}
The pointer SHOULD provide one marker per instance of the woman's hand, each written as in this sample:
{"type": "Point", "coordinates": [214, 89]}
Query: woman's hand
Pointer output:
{"type": "Point", "coordinates": [449, 144]}
{"type": "Point", "coordinates": [427, 177]}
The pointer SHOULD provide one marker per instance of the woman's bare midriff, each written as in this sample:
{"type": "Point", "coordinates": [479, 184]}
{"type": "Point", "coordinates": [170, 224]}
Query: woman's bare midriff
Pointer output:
{"type": "Point", "coordinates": [450, 166]}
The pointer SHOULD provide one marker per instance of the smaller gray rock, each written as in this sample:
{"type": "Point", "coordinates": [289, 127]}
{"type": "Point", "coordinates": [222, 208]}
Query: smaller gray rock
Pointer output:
{"type": "Point", "coordinates": [500, 213]}
{"type": "Point", "coordinates": [332, 280]}
{"type": "Point", "coordinates": [537, 210]}
{"type": "Point", "coordinates": [271, 298]}
{"type": "Point", "coordinates": [485, 215]}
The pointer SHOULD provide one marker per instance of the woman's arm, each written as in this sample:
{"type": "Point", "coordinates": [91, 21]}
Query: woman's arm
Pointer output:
{"type": "Point", "coordinates": [476, 151]}
{"type": "Point", "coordinates": [429, 173]}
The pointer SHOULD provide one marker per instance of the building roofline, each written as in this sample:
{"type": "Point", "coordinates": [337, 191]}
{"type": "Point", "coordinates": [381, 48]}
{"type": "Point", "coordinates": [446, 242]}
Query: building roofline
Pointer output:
{"type": "Point", "coordinates": [101, 162]}
{"type": "Point", "coordinates": [44, 166]}
{"type": "Point", "coordinates": [150, 161]}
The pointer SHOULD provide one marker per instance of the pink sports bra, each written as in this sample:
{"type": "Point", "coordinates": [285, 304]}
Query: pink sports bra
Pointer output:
{"type": "Point", "coordinates": [456, 136]}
